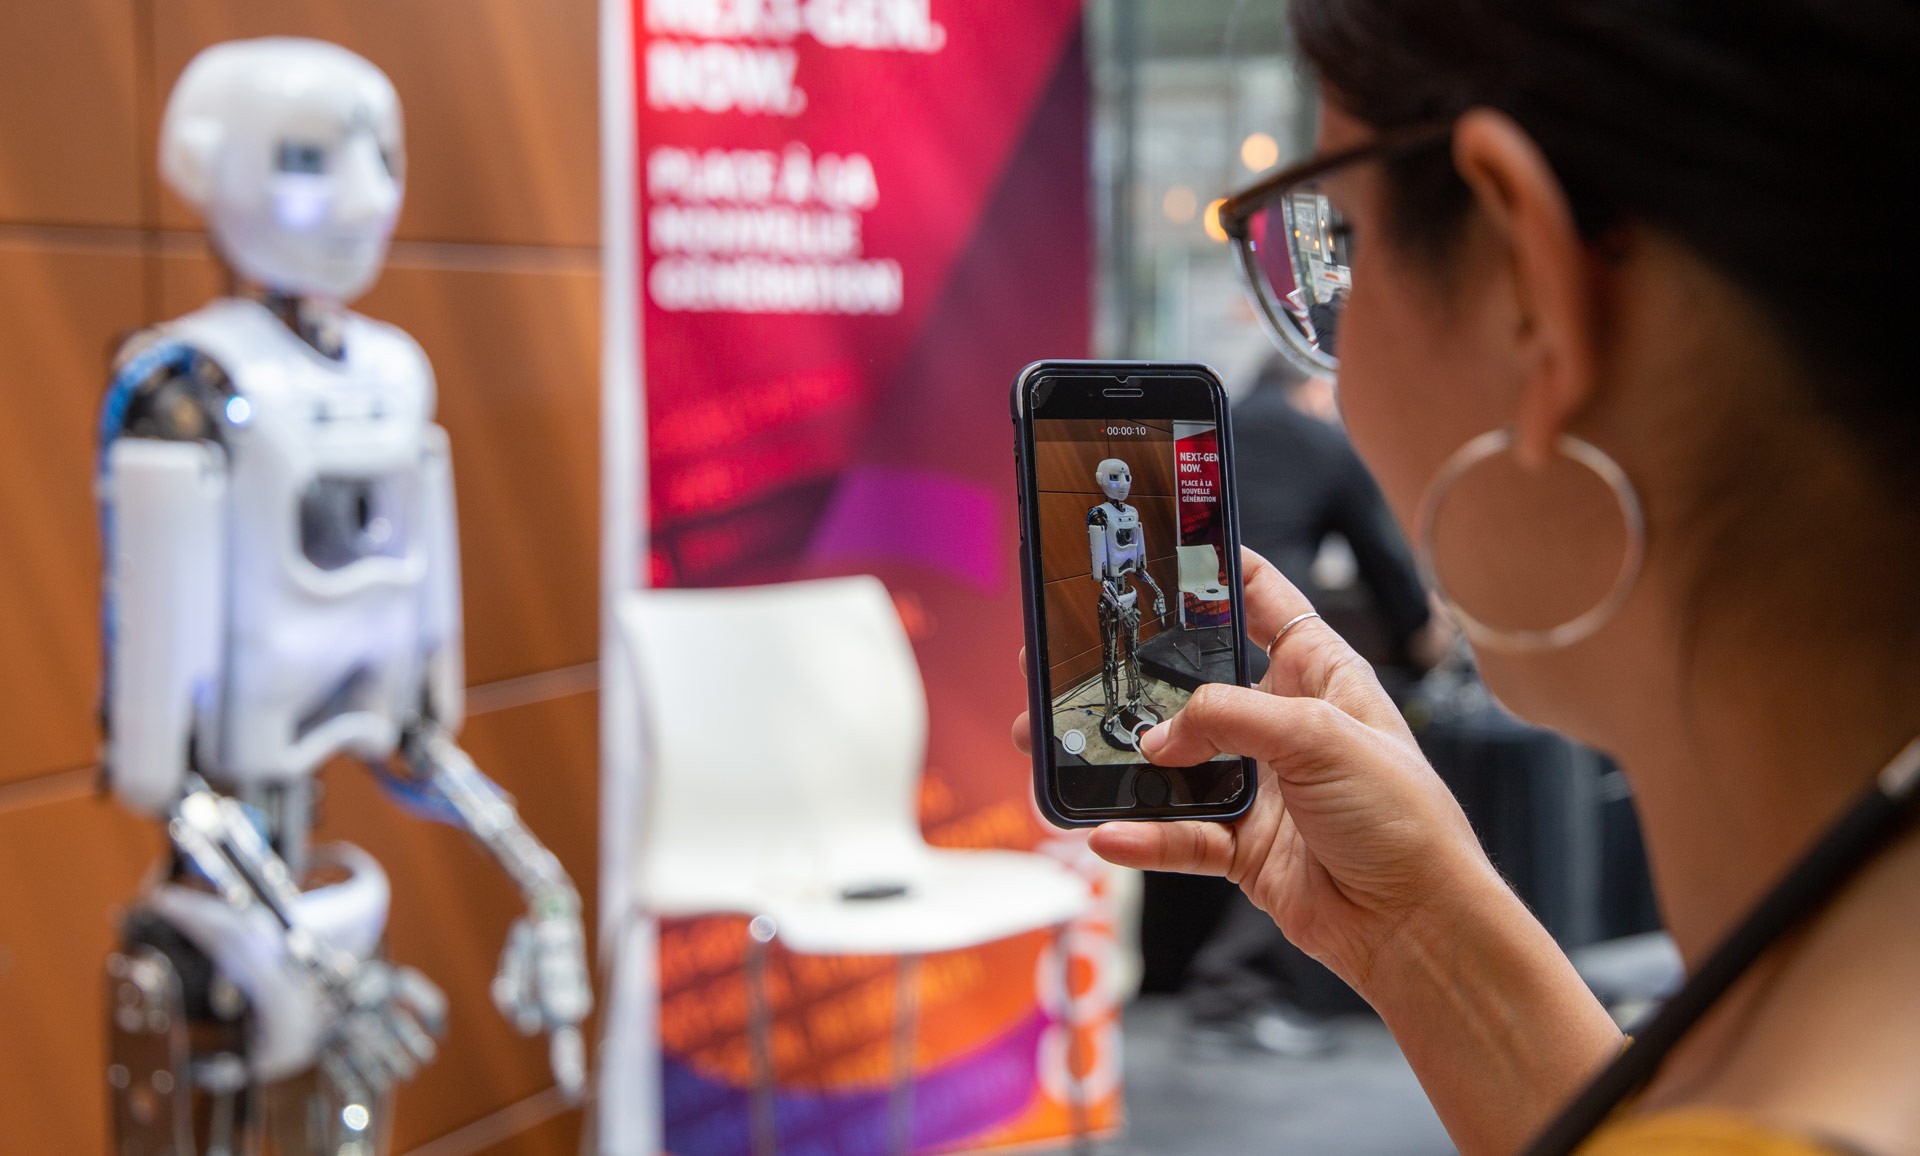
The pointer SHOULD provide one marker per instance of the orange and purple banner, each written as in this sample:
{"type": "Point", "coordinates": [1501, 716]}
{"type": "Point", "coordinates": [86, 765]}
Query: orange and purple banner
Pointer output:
{"type": "Point", "coordinates": [856, 220]}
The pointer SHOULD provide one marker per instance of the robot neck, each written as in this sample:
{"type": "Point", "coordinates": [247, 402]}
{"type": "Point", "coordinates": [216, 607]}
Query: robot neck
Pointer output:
{"type": "Point", "coordinates": [316, 322]}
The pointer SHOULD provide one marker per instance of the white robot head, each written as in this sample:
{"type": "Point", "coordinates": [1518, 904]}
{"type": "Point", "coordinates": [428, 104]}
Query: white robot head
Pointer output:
{"type": "Point", "coordinates": [1116, 480]}
{"type": "Point", "coordinates": [291, 149]}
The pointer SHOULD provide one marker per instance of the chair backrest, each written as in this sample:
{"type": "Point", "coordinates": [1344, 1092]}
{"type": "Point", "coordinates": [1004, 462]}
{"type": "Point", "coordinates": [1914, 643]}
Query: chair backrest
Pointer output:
{"type": "Point", "coordinates": [784, 730]}
{"type": "Point", "coordinates": [1199, 566]}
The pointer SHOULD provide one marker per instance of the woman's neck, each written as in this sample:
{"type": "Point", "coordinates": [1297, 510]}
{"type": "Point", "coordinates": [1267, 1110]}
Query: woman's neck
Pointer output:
{"type": "Point", "coordinates": [1753, 757]}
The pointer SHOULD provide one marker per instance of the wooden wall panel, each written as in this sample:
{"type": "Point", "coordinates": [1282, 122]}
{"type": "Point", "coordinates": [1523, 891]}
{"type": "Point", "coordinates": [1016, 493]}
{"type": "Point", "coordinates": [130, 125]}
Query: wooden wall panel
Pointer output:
{"type": "Point", "coordinates": [500, 99]}
{"type": "Point", "coordinates": [65, 870]}
{"type": "Point", "coordinates": [60, 313]}
{"type": "Point", "coordinates": [68, 148]}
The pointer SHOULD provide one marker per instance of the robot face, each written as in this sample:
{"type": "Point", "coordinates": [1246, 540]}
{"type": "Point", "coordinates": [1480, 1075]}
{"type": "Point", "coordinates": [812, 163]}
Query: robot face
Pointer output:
{"type": "Point", "coordinates": [1116, 480]}
{"type": "Point", "coordinates": [292, 151]}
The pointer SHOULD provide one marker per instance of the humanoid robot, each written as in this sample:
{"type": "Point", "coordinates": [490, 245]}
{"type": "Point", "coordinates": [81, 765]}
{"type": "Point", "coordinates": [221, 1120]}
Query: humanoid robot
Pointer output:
{"type": "Point", "coordinates": [1119, 549]}
{"type": "Point", "coordinates": [282, 586]}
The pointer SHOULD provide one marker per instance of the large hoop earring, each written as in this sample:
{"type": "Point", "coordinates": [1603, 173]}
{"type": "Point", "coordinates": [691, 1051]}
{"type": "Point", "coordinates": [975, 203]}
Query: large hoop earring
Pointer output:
{"type": "Point", "coordinates": [1567, 633]}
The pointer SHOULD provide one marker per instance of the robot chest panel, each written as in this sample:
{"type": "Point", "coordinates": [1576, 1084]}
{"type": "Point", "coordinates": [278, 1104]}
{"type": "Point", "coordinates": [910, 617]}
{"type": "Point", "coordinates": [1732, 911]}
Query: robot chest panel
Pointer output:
{"type": "Point", "coordinates": [329, 475]}
{"type": "Point", "coordinates": [337, 509]}
{"type": "Point", "coordinates": [1123, 531]}
{"type": "Point", "coordinates": [334, 420]}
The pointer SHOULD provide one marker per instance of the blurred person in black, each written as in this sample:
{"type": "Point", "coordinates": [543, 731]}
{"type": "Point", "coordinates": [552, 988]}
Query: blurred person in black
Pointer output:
{"type": "Point", "coordinates": [1301, 484]}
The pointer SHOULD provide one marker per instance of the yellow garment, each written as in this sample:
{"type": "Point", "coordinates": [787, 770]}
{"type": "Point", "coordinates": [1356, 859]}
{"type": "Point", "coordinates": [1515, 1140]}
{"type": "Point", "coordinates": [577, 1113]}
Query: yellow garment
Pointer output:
{"type": "Point", "coordinates": [1698, 1133]}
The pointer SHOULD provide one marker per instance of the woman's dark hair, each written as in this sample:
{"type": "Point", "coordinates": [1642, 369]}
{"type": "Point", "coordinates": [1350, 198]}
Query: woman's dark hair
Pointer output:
{"type": "Point", "coordinates": [1779, 139]}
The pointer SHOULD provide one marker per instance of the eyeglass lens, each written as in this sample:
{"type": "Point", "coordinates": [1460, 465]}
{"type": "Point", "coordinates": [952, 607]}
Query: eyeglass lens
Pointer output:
{"type": "Point", "coordinates": [1297, 256]}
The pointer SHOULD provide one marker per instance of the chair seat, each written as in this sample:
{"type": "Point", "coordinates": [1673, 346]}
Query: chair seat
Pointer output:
{"type": "Point", "coordinates": [953, 900]}
{"type": "Point", "coordinates": [1212, 592]}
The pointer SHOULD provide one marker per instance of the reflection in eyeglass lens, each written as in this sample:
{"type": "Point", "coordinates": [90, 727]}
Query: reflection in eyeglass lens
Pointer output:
{"type": "Point", "coordinates": [1301, 247]}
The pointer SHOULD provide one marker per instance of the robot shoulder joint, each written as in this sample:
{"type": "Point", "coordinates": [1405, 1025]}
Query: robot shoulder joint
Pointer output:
{"type": "Point", "coordinates": [170, 391]}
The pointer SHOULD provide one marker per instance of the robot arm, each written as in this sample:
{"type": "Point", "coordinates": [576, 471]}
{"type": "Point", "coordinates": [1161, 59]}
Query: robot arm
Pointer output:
{"type": "Point", "coordinates": [162, 487]}
{"type": "Point", "coordinates": [383, 1017]}
{"type": "Point", "coordinates": [542, 981]}
{"type": "Point", "coordinates": [442, 640]}
{"type": "Point", "coordinates": [1100, 565]}
{"type": "Point", "coordinates": [1159, 598]}
{"type": "Point", "coordinates": [166, 565]}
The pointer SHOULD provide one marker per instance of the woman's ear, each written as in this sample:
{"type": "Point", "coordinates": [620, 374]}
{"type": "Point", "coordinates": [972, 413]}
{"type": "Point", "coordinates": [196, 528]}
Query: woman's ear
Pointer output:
{"type": "Point", "coordinates": [1553, 326]}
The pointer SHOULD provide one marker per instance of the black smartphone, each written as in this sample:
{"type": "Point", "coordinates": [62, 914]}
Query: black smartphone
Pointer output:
{"type": "Point", "coordinates": [1130, 564]}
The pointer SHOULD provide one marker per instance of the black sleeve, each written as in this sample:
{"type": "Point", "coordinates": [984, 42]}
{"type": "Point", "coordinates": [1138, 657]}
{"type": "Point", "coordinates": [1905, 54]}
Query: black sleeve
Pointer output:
{"type": "Point", "coordinates": [1386, 565]}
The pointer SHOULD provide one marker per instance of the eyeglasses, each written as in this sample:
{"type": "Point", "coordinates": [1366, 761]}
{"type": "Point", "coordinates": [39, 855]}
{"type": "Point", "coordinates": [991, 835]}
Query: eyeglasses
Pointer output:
{"type": "Point", "coordinates": [1294, 249]}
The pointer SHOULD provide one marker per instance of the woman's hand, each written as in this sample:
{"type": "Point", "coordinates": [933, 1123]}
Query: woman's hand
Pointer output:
{"type": "Point", "coordinates": [1364, 859]}
{"type": "Point", "coordinates": [1351, 835]}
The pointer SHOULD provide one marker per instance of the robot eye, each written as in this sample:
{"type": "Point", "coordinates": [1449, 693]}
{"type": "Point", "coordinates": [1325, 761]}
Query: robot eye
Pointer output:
{"type": "Point", "coordinates": [301, 157]}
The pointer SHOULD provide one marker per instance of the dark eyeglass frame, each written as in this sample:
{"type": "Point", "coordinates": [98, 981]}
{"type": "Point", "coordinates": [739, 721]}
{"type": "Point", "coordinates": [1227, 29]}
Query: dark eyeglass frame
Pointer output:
{"type": "Point", "coordinates": [1238, 209]}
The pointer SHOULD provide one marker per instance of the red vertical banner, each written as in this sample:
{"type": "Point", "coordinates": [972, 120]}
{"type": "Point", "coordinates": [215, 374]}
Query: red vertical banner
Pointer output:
{"type": "Point", "coordinates": [856, 220]}
{"type": "Point", "coordinates": [1196, 463]}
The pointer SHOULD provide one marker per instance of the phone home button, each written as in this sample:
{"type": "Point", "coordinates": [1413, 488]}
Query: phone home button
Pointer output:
{"type": "Point", "coordinates": [1151, 789]}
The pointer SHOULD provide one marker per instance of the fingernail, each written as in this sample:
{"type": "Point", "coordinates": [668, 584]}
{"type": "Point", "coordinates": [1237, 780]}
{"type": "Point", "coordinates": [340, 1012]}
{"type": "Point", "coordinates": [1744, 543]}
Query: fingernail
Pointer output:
{"type": "Point", "coordinates": [1154, 739]}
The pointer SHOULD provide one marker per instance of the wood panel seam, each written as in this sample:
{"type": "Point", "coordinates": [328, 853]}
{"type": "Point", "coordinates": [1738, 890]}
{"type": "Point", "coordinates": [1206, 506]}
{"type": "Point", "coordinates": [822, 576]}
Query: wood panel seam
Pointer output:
{"type": "Point", "coordinates": [456, 256]}
{"type": "Point", "coordinates": [499, 1125]}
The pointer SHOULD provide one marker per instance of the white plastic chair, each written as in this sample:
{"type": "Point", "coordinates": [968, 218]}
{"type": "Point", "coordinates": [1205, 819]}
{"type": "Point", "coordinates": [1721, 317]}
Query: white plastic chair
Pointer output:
{"type": "Point", "coordinates": [1200, 576]}
{"type": "Point", "coordinates": [785, 731]}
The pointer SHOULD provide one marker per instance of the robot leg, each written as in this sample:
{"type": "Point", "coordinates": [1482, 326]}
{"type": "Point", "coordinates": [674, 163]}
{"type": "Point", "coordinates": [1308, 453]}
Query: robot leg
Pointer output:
{"type": "Point", "coordinates": [147, 1056]}
{"type": "Point", "coordinates": [1130, 651]}
{"type": "Point", "coordinates": [1133, 717]}
{"type": "Point", "coordinates": [176, 1048]}
{"type": "Point", "coordinates": [1109, 659]}
{"type": "Point", "coordinates": [178, 1067]}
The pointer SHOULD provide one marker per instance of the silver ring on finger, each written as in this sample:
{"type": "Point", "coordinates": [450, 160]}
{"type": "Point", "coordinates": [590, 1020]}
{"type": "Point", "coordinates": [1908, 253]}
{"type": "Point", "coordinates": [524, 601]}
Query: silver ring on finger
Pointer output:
{"type": "Point", "coordinates": [1291, 623]}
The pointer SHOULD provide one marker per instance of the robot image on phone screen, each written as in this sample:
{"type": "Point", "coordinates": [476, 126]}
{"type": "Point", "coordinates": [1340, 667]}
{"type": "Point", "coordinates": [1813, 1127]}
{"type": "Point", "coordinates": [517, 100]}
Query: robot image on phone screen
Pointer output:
{"type": "Point", "coordinates": [1137, 609]}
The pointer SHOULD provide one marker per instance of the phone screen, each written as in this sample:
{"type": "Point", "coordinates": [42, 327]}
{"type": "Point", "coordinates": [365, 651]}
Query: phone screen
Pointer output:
{"type": "Point", "coordinates": [1136, 571]}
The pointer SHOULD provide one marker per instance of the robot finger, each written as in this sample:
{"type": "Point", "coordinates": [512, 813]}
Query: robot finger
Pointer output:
{"type": "Point", "coordinates": [346, 1079]}
{"type": "Point", "coordinates": [353, 1066]}
{"type": "Point", "coordinates": [513, 985]}
{"type": "Point", "coordinates": [399, 1062]}
{"type": "Point", "coordinates": [567, 1055]}
{"type": "Point", "coordinates": [423, 998]}
{"type": "Point", "coordinates": [566, 993]}
{"type": "Point", "coordinates": [412, 1036]}
{"type": "Point", "coordinates": [375, 1050]}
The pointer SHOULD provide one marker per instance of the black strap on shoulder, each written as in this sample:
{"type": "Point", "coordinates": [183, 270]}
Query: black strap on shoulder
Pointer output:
{"type": "Point", "coordinates": [1880, 813]}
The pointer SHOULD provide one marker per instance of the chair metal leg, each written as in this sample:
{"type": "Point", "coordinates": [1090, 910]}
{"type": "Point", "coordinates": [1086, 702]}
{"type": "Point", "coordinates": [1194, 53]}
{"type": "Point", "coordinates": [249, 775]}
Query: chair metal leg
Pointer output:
{"type": "Point", "coordinates": [760, 1105]}
{"type": "Point", "coordinates": [906, 1016]}
{"type": "Point", "coordinates": [1076, 1086]}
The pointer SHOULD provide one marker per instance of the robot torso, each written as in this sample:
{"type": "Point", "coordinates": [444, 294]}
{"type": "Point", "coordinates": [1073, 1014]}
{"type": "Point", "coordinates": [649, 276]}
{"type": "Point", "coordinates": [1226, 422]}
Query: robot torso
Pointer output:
{"type": "Point", "coordinates": [1118, 546]}
{"type": "Point", "coordinates": [330, 535]}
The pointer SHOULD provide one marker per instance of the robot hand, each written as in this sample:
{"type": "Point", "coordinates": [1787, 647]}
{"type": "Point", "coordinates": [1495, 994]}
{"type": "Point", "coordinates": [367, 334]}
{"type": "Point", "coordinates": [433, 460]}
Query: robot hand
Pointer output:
{"type": "Point", "coordinates": [542, 984]}
{"type": "Point", "coordinates": [1159, 596]}
{"type": "Point", "coordinates": [386, 1031]}
{"type": "Point", "coordinates": [384, 1017]}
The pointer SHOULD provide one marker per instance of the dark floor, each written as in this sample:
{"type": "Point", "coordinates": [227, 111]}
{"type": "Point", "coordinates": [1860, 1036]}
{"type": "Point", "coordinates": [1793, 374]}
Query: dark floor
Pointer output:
{"type": "Point", "coordinates": [1361, 1101]}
